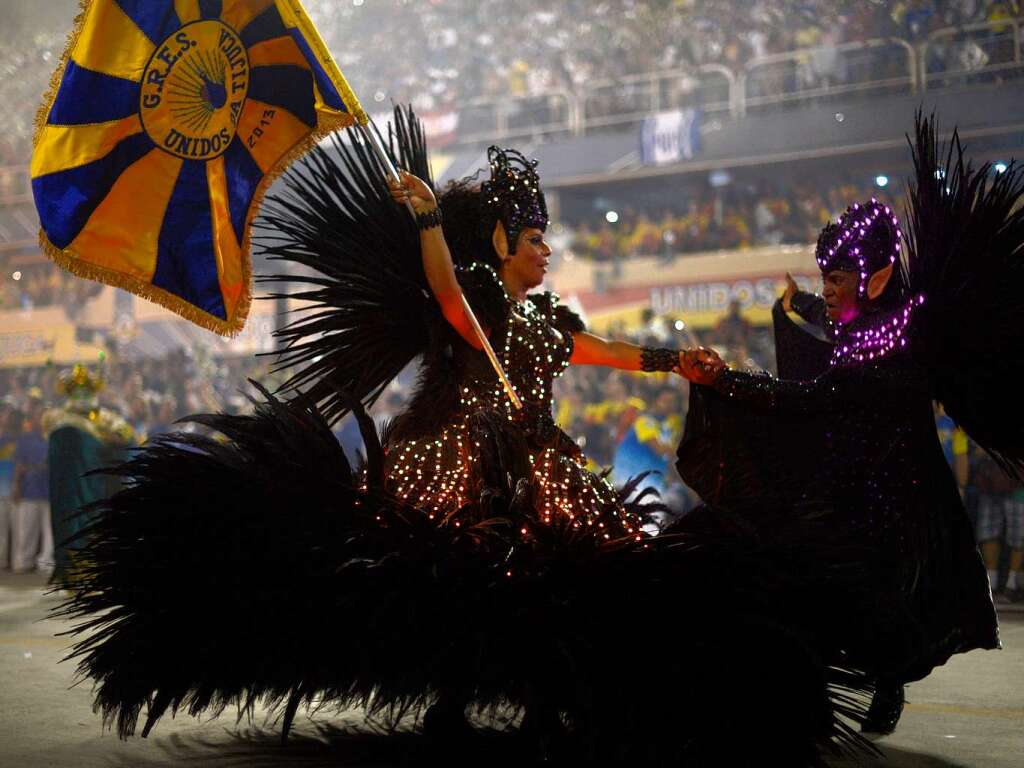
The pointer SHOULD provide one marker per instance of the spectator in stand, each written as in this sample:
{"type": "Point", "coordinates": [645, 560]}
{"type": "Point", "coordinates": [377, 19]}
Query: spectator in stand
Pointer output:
{"type": "Point", "coordinates": [10, 429]}
{"type": "Point", "coordinates": [651, 441]}
{"type": "Point", "coordinates": [569, 407]}
{"type": "Point", "coordinates": [917, 16]}
{"type": "Point", "coordinates": [734, 333]}
{"type": "Point", "coordinates": [166, 413]}
{"type": "Point", "coordinates": [766, 222]}
{"type": "Point", "coordinates": [606, 421]}
{"type": "Point", "coordinates": [1000, 523]}
{"type": "Point", "coordinates": [31, 535]}
{"type": "Point", "coordinates": [1015, 540]}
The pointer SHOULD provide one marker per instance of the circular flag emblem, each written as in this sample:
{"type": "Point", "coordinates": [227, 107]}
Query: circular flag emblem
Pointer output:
{"type": "Point", "coordinates": [193, 90]}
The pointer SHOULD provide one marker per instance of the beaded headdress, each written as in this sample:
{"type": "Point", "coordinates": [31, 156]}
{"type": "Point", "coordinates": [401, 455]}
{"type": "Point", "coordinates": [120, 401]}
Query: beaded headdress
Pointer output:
{"type": "Point", "coordinates": [864, 240]}
{"type": "Point", "coordinates": [513, 192]}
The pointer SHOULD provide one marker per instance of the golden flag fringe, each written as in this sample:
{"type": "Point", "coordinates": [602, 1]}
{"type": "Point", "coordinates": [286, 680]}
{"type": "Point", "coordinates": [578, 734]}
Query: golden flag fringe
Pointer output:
{"type": "Point", "coordinates": [163, 127]}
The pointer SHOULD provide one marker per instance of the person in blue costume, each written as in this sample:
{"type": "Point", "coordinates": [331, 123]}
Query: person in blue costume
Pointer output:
{"type": "Point", "coordinates": [650, 440]}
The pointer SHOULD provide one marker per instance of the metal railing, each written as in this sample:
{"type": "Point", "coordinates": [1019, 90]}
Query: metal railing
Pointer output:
{"type": "Point", "coordinates": [874, 66]}
{"type": "Point", "coordinates": [14, 184]}
{"type": "Point", "coordinates": [490, 119]}
{"type": "Point", "coordinates": [625, 100]}
{"type": "Point", "coordinates": [598, 105]}
{"type": "Point", "coordinates": [974, 53]}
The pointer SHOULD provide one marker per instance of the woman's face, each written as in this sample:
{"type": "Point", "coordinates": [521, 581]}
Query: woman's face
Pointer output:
{"type": "Point", "coordinates": [840, 294]}
{"type": "Point", "coordinates": [529, 263]}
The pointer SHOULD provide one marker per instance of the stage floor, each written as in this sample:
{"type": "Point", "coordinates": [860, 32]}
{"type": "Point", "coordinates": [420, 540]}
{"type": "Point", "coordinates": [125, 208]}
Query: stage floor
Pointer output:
{"type": "Point", "coordinates": [968, 713]}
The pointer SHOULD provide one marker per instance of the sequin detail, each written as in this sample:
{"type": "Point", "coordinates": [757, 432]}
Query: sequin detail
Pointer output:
{"type": "Point", "coordinates": [514, 192]}
{"type": "Point", "coordinates": [659, 359]}
{"type": "Point", "coordinates": [441, 474]}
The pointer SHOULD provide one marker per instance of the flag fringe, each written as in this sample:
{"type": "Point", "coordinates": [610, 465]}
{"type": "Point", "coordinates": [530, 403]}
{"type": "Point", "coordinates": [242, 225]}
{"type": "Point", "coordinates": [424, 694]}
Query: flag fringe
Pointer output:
{"type": "Point", "coordinates": [146, 290]}
{"type": "Point", "coordinates": [51, 92]}
{"type": "Point", "coordinates": [327, 123]}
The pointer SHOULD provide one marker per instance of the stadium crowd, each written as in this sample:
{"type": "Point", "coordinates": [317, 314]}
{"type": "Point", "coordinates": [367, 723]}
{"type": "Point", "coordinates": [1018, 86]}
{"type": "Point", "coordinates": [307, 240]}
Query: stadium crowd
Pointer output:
{"type": "Point", "coordinates": [453, 52]}
{"type": "Point", "coordinates": [150, 393]}
{"type": "Point", "coordinates": [737, 217]}
{"type": "Point", "coordinates": [40, 283]}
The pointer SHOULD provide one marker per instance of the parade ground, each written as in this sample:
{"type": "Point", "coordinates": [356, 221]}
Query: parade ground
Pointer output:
{"type": "Point", "coordinates": [969, 713]}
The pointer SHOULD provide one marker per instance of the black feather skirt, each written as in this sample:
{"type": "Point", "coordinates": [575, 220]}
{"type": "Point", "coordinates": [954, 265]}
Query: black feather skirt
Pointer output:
{"type": "Point", "coordinates": [260, 568]}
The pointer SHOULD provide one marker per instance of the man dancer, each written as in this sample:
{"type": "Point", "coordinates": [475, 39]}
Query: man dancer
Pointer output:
{"type": "Point", "coordinates": [859, 439]}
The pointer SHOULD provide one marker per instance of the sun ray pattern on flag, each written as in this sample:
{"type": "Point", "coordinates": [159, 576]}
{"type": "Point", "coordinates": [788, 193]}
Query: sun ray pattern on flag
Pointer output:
{"type": "Point", "coordinates": [165, 123]}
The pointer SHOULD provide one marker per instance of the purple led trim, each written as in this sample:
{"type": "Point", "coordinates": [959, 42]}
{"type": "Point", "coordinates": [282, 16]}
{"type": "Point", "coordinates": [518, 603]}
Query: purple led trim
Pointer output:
{"type": "Point", "coordinates": [873, 343]}
{"type": "Point", "coordinates": [855, 229]}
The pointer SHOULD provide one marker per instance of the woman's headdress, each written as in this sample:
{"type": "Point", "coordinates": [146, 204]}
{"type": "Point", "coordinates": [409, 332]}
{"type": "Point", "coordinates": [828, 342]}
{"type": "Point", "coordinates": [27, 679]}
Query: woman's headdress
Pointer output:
{"type": "Point", "coordinates": [513, 193]}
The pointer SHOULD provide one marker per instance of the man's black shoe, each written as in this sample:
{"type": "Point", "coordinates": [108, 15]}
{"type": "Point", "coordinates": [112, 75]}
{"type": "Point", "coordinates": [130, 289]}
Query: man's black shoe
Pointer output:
{"type": "Point", "coordinates": [886, 708]}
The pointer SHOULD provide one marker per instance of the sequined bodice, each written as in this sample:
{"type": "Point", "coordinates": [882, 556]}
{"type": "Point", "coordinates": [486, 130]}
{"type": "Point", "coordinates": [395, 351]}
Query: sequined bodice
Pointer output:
{"type": "Point", "coordinates": [533, 353]}
{"type": "Point", "coordinates": [533, 341]}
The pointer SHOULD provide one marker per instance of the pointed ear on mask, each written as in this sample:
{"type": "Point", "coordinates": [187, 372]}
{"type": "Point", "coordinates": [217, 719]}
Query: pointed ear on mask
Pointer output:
{"type": "Point", "coordinates": [500, 240]}
{"type": "Point", "coordinates": [878, 281]}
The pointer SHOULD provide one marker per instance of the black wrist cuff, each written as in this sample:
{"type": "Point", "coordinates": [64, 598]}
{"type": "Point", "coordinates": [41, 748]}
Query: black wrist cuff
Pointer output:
{"type": "Point", "coordinates": [429, 219]}
{"type": "Point", "coordinates": [652, 359]}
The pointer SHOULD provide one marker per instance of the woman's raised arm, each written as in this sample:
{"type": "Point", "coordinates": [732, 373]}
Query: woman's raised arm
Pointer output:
{"type": "Point", "coordinates": [437, 259]}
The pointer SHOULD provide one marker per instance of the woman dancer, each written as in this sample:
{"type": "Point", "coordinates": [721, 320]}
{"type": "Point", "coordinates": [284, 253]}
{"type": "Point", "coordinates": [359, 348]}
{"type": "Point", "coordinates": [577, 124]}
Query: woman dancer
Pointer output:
{"type": "Point", "coordinates": [433, 450]}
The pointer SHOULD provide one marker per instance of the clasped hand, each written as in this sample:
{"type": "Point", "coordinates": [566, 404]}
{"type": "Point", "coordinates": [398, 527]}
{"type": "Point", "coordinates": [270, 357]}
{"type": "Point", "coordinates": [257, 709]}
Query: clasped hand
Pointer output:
{"type": "Point", "coordinates": [700, 365]}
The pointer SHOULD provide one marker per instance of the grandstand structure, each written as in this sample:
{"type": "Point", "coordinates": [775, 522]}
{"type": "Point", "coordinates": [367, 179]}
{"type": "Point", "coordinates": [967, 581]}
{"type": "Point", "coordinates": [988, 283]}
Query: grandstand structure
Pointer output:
{"type": "Point", "coordinates": [830, 118]}
{"type": "Point", "coordinates": [764, 85]}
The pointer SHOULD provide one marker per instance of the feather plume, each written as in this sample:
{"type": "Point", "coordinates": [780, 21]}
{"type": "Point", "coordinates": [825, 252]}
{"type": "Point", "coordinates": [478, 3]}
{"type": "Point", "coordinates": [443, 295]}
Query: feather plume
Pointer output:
{"type": "Point", "coordinates": [273, 576]}
{"type": "Point", "coordinates": [360, 272]}
{"type": "Point", "coordinates": [966, 258]}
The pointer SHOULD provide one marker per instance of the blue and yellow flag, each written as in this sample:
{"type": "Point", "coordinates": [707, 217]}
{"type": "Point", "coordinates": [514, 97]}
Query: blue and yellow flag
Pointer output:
{"type": "Point", "coordinates": [166, 122]}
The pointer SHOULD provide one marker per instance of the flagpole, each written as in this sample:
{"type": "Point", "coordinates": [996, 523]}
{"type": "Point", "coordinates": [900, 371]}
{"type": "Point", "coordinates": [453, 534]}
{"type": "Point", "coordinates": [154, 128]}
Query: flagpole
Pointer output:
{"type": "Point", "coordinates": [362, 121]}
{"type": "Point", "coordinates": [485, 343]}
